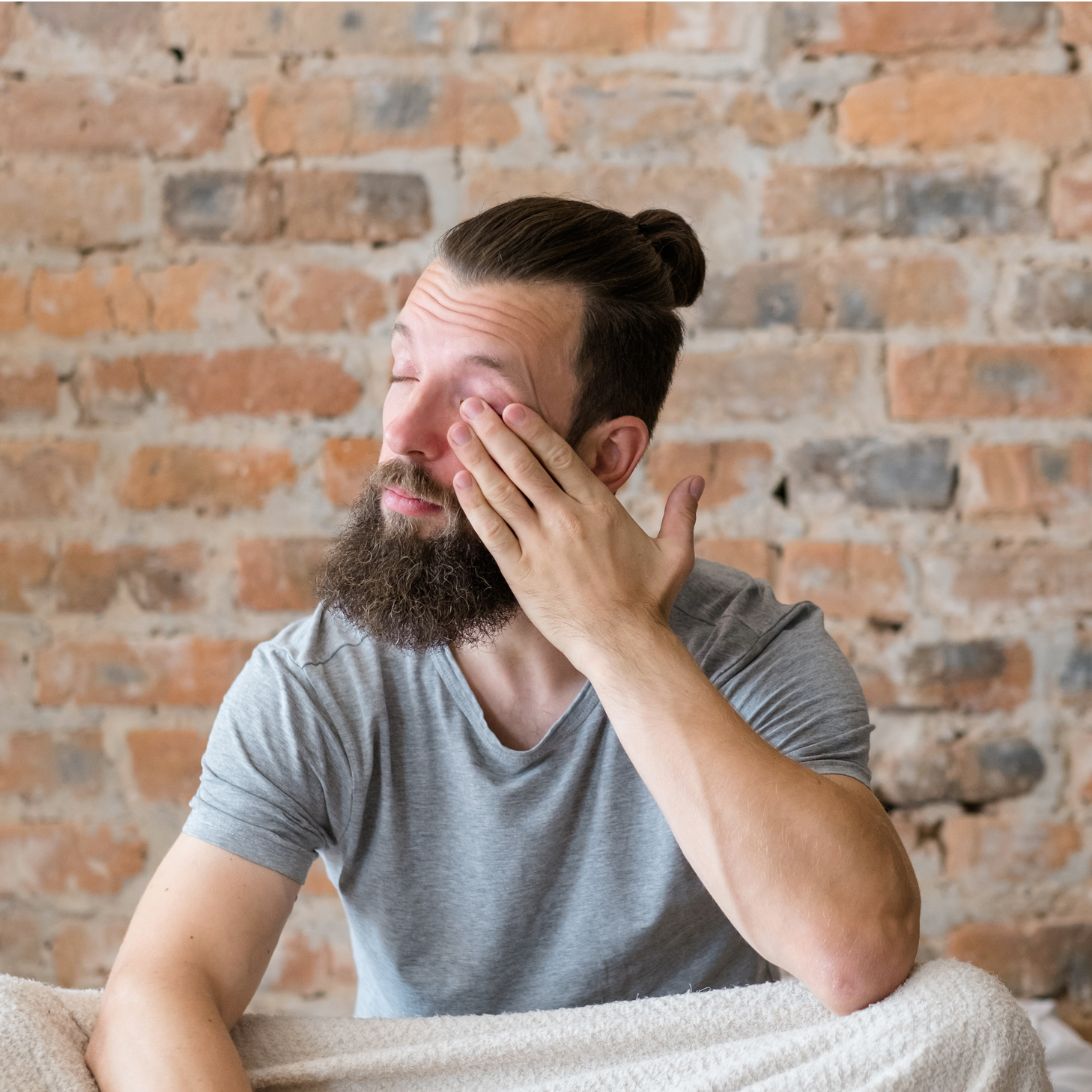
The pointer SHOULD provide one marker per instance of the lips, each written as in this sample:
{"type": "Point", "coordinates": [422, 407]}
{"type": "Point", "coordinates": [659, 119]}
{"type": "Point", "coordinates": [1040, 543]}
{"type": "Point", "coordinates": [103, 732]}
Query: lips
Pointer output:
{"type": "Point", "coordinates": [410, 496]}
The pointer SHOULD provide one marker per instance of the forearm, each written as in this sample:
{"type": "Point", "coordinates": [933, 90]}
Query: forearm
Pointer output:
{"type": "Point", "coordinates": [812, 878]}
{"type": "Point", "coordinates": [163, 1034]}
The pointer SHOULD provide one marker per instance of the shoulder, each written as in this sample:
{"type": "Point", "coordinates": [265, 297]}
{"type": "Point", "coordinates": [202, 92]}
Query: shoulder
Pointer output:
{"type": "Point", "coordinates": [323, 642]}
{"type": "Point", "coordinates": [727, 618]}
{"type": "Point", "coordinates": [713, 590]}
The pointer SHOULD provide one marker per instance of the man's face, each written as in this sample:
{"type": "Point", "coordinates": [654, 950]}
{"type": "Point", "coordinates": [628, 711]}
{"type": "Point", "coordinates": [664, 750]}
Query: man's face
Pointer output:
{"type": "Point", "coordinates": [408, 568]}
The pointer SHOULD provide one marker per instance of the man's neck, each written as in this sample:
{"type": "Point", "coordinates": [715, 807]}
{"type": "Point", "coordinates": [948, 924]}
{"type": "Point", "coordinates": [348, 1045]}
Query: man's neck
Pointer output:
{"type": "Point", "coordinates": [520, 659]}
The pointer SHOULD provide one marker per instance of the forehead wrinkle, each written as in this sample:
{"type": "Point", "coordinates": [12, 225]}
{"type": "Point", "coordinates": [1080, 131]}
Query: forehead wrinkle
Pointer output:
{"type": "Point", "coordinates": [429, 286]}
{"type": "Point", "coordinates": [472, 314]}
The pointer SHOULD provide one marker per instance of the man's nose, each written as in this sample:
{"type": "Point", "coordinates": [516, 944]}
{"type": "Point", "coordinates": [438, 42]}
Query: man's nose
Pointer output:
{"type": "Point", "coordinates": [419, 426]}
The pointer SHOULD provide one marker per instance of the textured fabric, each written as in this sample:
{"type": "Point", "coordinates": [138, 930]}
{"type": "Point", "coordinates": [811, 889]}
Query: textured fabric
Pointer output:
{"type": "Point", "coordinates": [481, 879]}
{"type": "Point", "coordinates": [949, 1028]}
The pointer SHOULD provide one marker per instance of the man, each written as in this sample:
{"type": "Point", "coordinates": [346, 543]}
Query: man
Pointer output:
{"type": "Point", "coordinates": [547, 759]}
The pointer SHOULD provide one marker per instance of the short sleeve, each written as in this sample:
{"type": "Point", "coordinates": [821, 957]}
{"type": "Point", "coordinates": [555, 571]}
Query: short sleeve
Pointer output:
{"type": "Point", "coordinates": [799, 692]}
{"type": "Point", "coordinates": [276, 784]}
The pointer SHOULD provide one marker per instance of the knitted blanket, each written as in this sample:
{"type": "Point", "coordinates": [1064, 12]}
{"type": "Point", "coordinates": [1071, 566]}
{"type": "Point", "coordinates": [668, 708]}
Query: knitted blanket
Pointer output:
{"type": "Point", "coordinates": [949, 1026]}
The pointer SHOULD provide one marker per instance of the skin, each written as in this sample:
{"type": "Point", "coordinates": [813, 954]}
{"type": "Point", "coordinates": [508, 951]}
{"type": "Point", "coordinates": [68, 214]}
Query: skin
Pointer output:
{"type": "Point", "coordinates": [461, 599]}
{"type": "Point", "coordinates": [807, 866]}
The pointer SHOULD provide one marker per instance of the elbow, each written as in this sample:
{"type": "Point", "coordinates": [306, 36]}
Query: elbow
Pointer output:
{"type": "Point", "coordinates": [874, 971]}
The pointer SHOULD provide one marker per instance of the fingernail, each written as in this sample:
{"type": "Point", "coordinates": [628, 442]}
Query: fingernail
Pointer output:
{"type": "Point", "coordinates": [472, 407]}
{"type": "Point", "coordinates": [460, 434]}
{"type": "Point", "coordinates": [697, 486]}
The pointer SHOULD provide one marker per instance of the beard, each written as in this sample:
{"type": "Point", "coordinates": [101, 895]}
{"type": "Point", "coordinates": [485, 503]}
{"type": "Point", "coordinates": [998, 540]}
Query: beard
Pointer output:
{"type": "Point", "coordinates": [414, 588]}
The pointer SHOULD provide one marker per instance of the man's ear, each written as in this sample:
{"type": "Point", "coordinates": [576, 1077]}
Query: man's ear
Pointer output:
{"type": "Point", "coordinates": [613, 449]}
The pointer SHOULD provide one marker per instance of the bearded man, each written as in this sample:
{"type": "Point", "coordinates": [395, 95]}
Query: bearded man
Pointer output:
{"type": "Point", "coordinates": [547, 759]}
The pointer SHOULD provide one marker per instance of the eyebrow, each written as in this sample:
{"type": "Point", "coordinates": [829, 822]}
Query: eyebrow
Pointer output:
{"type": "Point", "coordinates": [484, 360]}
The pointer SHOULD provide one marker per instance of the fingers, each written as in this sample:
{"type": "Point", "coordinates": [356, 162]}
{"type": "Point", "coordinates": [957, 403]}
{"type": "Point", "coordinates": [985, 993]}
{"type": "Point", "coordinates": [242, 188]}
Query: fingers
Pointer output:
{"type": "Point", "coordinates": [532, 454]}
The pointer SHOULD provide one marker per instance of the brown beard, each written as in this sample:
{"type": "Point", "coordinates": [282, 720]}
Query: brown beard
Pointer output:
{"type": "Point", "coordinates": [413, 588]}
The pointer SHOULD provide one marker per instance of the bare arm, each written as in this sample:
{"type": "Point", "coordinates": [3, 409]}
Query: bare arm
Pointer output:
{"type": "Point", "coordinates": [194, 954]}
{"type": "Point", "coordinates": [166, 1034]}
{"type": "Point", "coordinates": [807, 867]}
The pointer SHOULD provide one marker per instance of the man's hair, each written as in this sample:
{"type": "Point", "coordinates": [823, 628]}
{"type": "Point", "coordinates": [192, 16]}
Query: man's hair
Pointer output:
{"type": "Point", "coordinates": [633, 272]}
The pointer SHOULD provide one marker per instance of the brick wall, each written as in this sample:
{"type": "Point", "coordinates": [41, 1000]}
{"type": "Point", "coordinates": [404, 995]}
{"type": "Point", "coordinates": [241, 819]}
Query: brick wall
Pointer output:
{"type": "Point", "coordinates": [209, 216]}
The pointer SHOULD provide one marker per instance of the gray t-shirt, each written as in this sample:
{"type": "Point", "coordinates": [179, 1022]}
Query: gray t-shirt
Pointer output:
{"type": "Point", "coordinates": [481, 879]}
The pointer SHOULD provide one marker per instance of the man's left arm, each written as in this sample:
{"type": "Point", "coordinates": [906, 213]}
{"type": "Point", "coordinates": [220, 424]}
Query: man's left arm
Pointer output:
{"type": "Point", "coordinates": [807, 867]}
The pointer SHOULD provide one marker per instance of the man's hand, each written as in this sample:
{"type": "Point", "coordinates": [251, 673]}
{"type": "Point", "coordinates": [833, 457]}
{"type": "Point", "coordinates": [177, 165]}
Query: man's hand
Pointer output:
{"type": "Point", "coordinates": [581, 568]}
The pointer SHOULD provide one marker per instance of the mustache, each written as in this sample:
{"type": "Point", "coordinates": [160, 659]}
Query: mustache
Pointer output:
{"type": "Point", "coordinates": [410, 478]}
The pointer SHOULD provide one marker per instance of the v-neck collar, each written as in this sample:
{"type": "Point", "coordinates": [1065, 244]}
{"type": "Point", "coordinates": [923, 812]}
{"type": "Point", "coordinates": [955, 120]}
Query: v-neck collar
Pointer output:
{"type": "Point", "coordinates": [574, 715]}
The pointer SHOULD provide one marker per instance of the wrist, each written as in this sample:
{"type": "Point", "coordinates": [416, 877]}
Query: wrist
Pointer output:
{"type": "Point", "coordinates": [627, 645]}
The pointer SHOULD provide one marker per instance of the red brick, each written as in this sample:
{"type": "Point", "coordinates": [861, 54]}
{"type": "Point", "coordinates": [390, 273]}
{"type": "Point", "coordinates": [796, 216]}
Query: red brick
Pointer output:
{"type": "Point", "coordinates": [212, 479]}
{"type": "Point", "coordinates": [23, 565]}
{"type": "Point", "coordinates": [1032, 958]}
{"type": "Point", "coordinates": [767, 124]}
{"type": "Point", "coordinates": [1076, 24]}
{"type": "Point", "coordinates": [846, 579]}
{"type": "Point", "coordinates": [1028, 579]}
{"type": "Point", "coordinates": [77, 115]}
{"type": "Point", "coordinates": [279, 574]}
{"type": "Point", "coordinates": [873, 292]}
{"type": "Point", "coordinates": [128, 301]}
{"type": "Point", "coordinates": [749, 383]}
{"type": "Point", "coordinates": [166, 762]}
{"type": "Point", "coordinates": [27, 391]}
{"type": "Point", "coordinates": [751, 555]}
{"type": "Point", "coordinates": [43, 478]}
{"type": "Point", "coordinates": [84, 205]}
{"type": "Point", "coordinates": [318, 882]}
{"type": "Point", "coordinates": [955, 381]}
{"type": "Point", "coordinates": [151, 671]}
{"type": "Point", "coordinates": [13, 303]}
{"type": "Point", "coordinates": [764, 294]}
{"type": "Point", "coordinates": [700, 194]}
{"type": "Point", "coordinates": [260, 381]}
{"type": "Point", "coordinates": [893, 28]}
{"type": "Point", "coordinates": [22, 937]}
{"type": "Point", "coordinates": [702, 27]}
{"type": "Point", "coordinates": [7, 26]}
{"type": "Point", "coordinates": [66, 858]}
{"type": "Point", "coordinates": [309, 967]}
{"type": "Point", "coordinates": [1053, 295]}
{"type": "Point", "coordinates": [968, 676]}
{"type": "Point", "coordinates": [199, 295]}
{"type": "Point", "coordinates": [1028, 479]}
{"type": "Point", "coordinates": [565, 27]}
{"type": "Point", "coordinates": [345, 117]}
{"type": "Point", "coordinates": [1071, 198]}
{"type": "Point", "coordinates": [991, 848]}
{"type": "Point", "coordinates": [351, 206]}
{"type": "Point", "coordinates": [260, 29]}
{"type": "Point", "coordinates": [69, 304]}
{"type": "Point", "coordinates": [317, 299]}
{"type": "Point", "coordinates": [945, 201]}
{"type": "Point", "coordinates": [83, 951]}
{"type": "Point", "coordinates": [108, 391]}
{"type": "Point", "coordinates": [157, 578]}
{"type": "Point", "coordinates": [113, 27]}
{"type": "Point", "coordinates": [346, 463]}
{"type": "Point", "coordinates": [941, 110]}
{"type": "Point", "coordinates": [224, 206]}
{"type": "Point", "coordinates": [845, 199]}
{"type": "Point", "coordinates": [853, 291]}
{"type": "Point", "coordinates": [36, 763]}
{"type": "Point", "coordinates": [731, 468]}
{"type": "Point", "coordinates": [628, 109]}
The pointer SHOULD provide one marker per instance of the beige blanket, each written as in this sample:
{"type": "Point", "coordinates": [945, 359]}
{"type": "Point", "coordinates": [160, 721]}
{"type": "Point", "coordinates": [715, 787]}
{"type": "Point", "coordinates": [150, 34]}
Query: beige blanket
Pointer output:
{"type": "Point", "coordinates": [949, 1026]}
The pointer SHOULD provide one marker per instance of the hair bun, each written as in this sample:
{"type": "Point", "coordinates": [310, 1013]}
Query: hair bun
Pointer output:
{"type": "Point", "coordinates": [674, 241]}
